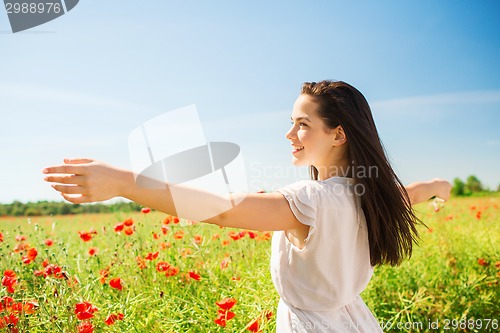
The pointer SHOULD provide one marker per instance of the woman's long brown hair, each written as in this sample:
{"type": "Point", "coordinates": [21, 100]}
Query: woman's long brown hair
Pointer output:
{"type": "Point", "coordinates": [390, 219]}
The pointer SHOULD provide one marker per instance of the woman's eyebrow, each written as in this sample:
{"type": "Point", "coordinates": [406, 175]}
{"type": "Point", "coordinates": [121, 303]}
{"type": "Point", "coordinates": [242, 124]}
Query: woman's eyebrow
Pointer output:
{"type": "Point", "coordinates": [301, 118]}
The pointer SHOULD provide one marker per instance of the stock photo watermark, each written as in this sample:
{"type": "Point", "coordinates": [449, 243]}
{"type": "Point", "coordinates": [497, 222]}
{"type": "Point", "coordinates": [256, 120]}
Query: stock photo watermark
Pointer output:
{"type": "Point", "coordinates": [171, 151]}
{"type": "Point", "coordinates": [269, 176]}
{"type": "Point", "coordinates": [27, 14]}
{"type": "Point", "coordinates": [450, 325]}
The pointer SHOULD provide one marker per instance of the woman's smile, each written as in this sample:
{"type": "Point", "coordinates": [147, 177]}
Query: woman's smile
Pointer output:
{"type": "Point", "coordinates": [296, 149]}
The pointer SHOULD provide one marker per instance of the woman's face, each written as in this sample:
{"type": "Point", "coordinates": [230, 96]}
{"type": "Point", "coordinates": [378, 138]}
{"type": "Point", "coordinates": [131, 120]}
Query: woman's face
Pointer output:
{"type": "Point", "coordinates": [311, 139]}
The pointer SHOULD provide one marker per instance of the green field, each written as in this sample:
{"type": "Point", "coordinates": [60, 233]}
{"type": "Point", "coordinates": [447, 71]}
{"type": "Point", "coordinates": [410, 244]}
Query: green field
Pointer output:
{"type": "Point", "coordinates": [450, 284]}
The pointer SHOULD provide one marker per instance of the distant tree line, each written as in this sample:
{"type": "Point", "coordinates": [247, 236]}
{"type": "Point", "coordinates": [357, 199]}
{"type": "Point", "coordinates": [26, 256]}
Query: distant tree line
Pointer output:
{"type": "Point", "coordinates": [470, 187]}
{"type": "Point", "coordinates": [43, 208]}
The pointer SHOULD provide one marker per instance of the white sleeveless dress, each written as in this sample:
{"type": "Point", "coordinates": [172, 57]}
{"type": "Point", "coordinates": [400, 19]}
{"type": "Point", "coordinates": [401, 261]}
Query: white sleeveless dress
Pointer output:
{"type": "Point", "coordinates": [320, 284]}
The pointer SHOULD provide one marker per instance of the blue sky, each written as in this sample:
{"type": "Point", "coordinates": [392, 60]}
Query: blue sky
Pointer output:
{"type": "Point", "coordinates": [78, 85]}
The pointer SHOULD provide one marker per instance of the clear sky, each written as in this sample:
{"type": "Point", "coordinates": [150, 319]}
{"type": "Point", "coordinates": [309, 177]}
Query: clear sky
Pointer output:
{"type": "Point", "coordinates": [77, 86]}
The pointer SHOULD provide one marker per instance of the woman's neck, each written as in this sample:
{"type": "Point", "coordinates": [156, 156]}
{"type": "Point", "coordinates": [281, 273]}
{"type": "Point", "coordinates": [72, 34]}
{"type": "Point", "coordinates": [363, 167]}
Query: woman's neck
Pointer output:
{"type": "Point", "coordinates": [340, 169]}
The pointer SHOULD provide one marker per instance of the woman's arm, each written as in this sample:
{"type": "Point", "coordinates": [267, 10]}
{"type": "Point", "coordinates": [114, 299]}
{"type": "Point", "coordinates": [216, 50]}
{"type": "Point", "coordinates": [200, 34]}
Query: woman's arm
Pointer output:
{"type": "Point", "coordinates": [86, 180]}
{"type": "Point", "coordinates": [423, 191]}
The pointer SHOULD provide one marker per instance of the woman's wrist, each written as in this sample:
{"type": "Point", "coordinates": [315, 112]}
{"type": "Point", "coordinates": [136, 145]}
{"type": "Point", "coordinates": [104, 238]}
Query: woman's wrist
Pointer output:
{"type": "Point", "coordinates": [126, 184]}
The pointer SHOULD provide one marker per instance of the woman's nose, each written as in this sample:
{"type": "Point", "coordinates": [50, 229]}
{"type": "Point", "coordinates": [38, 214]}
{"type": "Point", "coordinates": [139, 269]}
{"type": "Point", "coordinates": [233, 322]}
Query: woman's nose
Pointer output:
{"type": "Point", "coordinates": [292, 133]}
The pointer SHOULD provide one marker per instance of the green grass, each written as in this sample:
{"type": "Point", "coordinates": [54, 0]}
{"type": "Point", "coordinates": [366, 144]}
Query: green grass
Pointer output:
{"type": "Point", "coordinates": [442, 282]}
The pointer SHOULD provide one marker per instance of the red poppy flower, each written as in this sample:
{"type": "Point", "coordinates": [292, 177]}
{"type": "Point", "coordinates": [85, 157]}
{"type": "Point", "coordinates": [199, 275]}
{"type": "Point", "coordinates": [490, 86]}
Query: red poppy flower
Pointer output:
{"type": "Point", "coordinates": [198, 239]}
{"type": "Point", "coordinates": [17, 307]}
{"type": "Point", "coordinates": [85, 310]}
{"type": "Point", "coordinates": [119, 227]}
{"type": "Point", "coordinates": [85, 235]}
{"type": "Point", "coordinates": [175, 220]}
{"type": "Point", "coordinates": [140, 262]}
{"type": "Point", "coordinates": [194, 276]}
{"type": "Point", "coordinates": [164, 245]}
{"type": "Point", "coordinates": [482, 262]}
{"type": "Point", "coordinates": [223, 316]}
{"type": "Point", "coordinates": [1, 237]}
{"type": "Point", "coordinates": [9, 280]}
{"type": "Point", "coordinates": [110, 320]}
{"type": "Point", "coordinates": [179, 234]}
{"type": "Point", "coordinates": [253, 326]}
{"type": "Point", "coordinates": [172, 271]}
{"type": "Point", "coordinates": [6, 303]}
{"type": "Point", "coordinates": [104, 273]}
{"type": "Point", "coordinates": [9, 321]}
{"type": "Point", "coordinates": [226, 304]}
{"type": "Point", "coordinates": [30, 306]}
{"type": "Point", "coordinates": [32, 253]}
{"type": "Point", "coordinates": [164, 229]}
{"type": "Point", "coordinates": [116, 283]}
{"type": "Point", "coordinates": [478, 215]}
{"type": "Point", "coordinates": [234, 235]}
{"type": "Point", "coordinates": [85, 327]}
{"type": "Point", "coordinates": [146, 210]}
{"type": "Point", "coordinates": [129, 231]}
{"type": "Point", "coordinates": [162, 266]}
{"type": "Point", "coordinates": [267, 235]}
{"type": "Point", "coordinates": [53, 270]}
{"type": "Point", "coordinates": [152, 256]}
{"type": "Point", "coordinates": [93, 251]}
{"type": "Point", "coordinates": [268, 314]}
{"type": "Point", "coordinates": [20, 238]}
{"type": "Point", "coordinates": [252, 234]}
{"type": "Point", "coordinates": [156, 236]}
{"type": "Point", "coordinates": [49, 242]}
{"type": "Point", "coordinates": [25, 260]}
{"type": "Point", "coordinates": [167, 220]}
{"type": "Point", "coordinates": [128, 222]}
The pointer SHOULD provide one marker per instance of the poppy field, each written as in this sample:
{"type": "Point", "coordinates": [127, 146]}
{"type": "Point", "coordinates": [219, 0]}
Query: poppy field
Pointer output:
{"type": "Point", "coordinates": [149, 272]}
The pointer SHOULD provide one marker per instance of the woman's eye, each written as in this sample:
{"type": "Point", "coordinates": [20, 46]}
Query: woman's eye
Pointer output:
{"type": "Point", "coordinates": [300, 124]}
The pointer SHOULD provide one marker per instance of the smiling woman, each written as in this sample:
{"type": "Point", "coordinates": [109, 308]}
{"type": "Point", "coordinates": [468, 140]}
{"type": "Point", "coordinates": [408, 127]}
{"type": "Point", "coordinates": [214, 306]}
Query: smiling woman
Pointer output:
{"type": "Point", "coordinates": [328, 234]}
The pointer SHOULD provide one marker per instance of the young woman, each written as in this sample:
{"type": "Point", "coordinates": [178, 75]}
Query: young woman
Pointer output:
{"type": "Point", "coordinates": [330, 231]}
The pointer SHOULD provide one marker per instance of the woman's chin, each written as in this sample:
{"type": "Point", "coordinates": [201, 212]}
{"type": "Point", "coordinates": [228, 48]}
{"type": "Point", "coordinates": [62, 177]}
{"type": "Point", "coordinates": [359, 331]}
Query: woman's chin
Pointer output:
{"type": "Point", "coordinates": [298, 162]}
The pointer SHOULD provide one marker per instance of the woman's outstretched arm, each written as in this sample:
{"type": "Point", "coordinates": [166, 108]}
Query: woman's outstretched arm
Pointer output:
{"type": "Point", "coordinates": [423, 191]}
{"type": "Point", "coordinates": [86, 180]}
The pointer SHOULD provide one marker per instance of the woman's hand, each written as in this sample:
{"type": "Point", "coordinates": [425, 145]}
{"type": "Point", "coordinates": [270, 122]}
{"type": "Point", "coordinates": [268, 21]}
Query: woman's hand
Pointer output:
{"type": "Point", "coordinates": [85, 180]}
{"type": "Point", "coordinates": [442, 188]}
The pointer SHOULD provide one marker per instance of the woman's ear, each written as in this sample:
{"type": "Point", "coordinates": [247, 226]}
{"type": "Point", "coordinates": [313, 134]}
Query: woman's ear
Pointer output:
{"type": "Point", "coordinates": [339, 137]}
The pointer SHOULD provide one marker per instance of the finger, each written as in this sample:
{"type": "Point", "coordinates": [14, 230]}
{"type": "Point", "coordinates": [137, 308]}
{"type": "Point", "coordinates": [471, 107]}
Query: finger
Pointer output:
{"type": "Point", "coordinates": [66, 168]}
{"type": "Point", "coordinates": [78, 160]}
{"type": "Point", "coordinates": [66, 179]}
{"type": "Point", "coordinates": [75, 199]}
{"type": "Point", "coordinates": [69, 189]}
